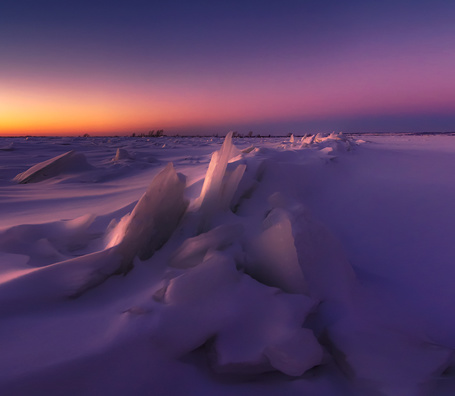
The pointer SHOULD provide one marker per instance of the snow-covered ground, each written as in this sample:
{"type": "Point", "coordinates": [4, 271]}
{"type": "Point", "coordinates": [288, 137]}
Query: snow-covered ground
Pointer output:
{"type": "Point", "coordinates": [301, 266]}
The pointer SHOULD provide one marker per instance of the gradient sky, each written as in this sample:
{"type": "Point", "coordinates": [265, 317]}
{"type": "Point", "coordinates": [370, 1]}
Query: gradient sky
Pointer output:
{"type": "Point", "coordinates": [212, 66]}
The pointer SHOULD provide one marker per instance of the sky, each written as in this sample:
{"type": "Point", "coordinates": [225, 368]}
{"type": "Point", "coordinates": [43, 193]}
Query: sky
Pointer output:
{"type": "Point", "coordinates": [188, 67]}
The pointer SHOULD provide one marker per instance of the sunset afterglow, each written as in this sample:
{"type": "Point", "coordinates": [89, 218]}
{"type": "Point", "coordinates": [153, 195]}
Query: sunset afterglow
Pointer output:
{"type": "Point", "coordinates": [118, 67]}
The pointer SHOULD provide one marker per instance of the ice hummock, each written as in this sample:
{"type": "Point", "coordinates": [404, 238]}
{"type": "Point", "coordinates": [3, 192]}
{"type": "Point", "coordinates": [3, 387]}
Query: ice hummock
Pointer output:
{"type": "Point", "coordinates": [265, 332]}
{"type": "Point", "coordinates": [256, 328]}
{"type": "Point", "coordinates": [146, 229]}
{"type": "Point", "coordinates": [69, 162]}
{"type": "Point", "coordinates": [328, 144]}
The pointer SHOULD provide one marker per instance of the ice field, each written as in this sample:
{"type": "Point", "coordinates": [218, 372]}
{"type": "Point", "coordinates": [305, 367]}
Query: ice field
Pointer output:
{"type": "Point", "coordinates": [318, 265]}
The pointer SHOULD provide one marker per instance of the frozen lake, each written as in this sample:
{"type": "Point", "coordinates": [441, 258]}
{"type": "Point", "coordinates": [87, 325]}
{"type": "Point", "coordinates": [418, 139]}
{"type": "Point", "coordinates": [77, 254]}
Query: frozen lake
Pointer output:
{"type": "Point", "coordinates": [321, 265]}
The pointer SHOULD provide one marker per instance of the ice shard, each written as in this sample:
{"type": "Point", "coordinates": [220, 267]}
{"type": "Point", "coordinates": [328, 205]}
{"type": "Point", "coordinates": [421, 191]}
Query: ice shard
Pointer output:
{"type": "Point", "coordinates": [220, 184]}
{"type": "Point", "coordinates": [273, 257]}
{"type": "Point", "coordinates": [155, 216]}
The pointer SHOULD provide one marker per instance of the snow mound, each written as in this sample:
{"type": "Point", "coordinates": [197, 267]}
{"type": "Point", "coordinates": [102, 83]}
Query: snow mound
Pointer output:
{"type": "Point", "coordinates": [328, 153]}
{"type": "Point", "coordinates": [70, 162]}
{"type": "Point", "coordinates": [49, 242]}
{"type": "Point", "coordinates": [36, 287]}
{"type": "Point", "coordinates": [8, 147]}
{"type": "Point", "coordinates": [193, 250]}
{"type": "Point", "coordinates": [248, 150]}
{"type": "Point", "coordinates": [323, 261]}
{"type": "Point", "coordinates": [296, 353]}
{"type": "Point", "coordinates": [121, 154]}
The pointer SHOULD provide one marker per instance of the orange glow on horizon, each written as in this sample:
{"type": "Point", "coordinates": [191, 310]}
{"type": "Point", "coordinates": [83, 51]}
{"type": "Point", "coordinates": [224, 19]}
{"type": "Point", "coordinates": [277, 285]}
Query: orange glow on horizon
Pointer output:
{"type": "Point", "coordinates": [44, 106]}
{"type": "Point", "coordinates": [83, 73]}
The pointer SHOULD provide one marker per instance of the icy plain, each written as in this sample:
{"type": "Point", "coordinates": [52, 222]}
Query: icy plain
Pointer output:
{"type": "Point", "coordinates": [321, 265]}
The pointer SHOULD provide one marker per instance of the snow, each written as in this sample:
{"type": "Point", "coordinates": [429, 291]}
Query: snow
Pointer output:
{"type": "Point", "coordinates": [67, 162]}
{"type": "Point", "coordinates": [193, 250]}
{"type": "Point", "coordinates": [8, 147]}
{"type": "Point", "coordinates": [184, 266]}
{"type": "Point", "coordinates": [121, 154]}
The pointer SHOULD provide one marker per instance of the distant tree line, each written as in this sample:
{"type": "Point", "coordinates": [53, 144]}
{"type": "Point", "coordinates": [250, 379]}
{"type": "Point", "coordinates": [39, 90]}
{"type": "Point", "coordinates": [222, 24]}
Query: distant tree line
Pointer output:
{"type": "Point", "coordinates": [250, 134]}
{"type": "Point", "coordinates": [160, 132]}
{"type": "Point", "coordinates": [152, 133]}
{"type": "Point", "coordinates": [235, 134]}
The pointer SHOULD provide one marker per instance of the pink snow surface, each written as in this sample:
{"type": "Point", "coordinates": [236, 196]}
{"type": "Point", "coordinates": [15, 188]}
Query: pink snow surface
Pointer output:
{"type": "Point", "coordinates": [320, 265]}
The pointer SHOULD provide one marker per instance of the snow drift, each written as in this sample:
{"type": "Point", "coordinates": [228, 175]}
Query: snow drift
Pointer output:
{"type": "Point", "coordinates": [65, 163]}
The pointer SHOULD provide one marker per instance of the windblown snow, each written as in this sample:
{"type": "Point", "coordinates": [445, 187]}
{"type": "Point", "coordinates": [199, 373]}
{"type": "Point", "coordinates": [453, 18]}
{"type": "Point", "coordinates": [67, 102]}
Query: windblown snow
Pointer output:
{"type": "Point", "coordinates": [315, 265]}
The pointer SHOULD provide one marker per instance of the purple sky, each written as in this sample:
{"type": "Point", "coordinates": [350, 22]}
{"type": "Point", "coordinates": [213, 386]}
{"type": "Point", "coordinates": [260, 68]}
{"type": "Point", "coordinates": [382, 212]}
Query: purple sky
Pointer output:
{"type": "Point", "coordinates": [208, 66]}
